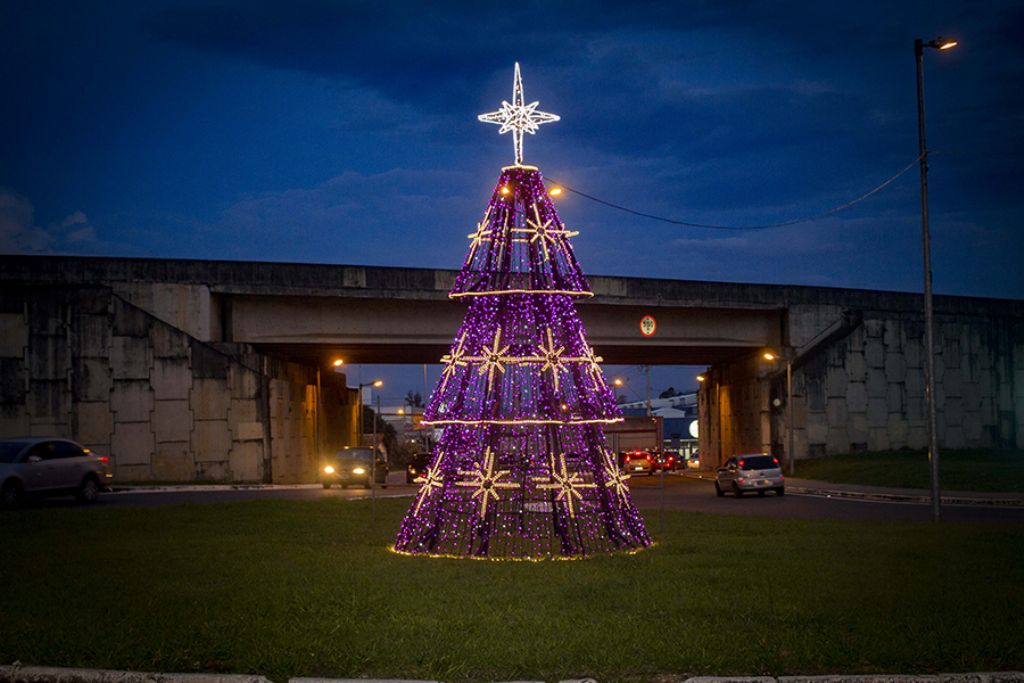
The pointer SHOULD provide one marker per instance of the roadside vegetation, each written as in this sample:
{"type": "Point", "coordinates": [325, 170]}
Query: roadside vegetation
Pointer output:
{"type": "Point", "coordinates": [285, 588]}
{"type": "Point", "coordinates": [959, 470]}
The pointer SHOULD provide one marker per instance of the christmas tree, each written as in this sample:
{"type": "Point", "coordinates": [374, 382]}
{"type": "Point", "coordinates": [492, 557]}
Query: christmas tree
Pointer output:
{"type": "Point", "coordinates": [521, 470]}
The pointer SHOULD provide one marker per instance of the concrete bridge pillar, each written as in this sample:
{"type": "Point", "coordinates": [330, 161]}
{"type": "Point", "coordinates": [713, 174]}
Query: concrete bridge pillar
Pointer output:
{"type": "Point", "coordinates": [734, 410]}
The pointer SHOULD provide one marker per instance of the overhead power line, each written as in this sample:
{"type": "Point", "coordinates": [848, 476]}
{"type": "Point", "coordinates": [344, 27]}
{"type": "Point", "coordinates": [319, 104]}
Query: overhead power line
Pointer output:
{"type": "Point", "coordinates": [765, 226]}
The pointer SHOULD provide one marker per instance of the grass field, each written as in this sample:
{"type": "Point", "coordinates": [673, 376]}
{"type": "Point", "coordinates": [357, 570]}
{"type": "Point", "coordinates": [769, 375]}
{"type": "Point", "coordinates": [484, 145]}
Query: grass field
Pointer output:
{"type": "Point", "coordinates": [287, 588]}
{"type": "Point", "coordinates": [959, 470]}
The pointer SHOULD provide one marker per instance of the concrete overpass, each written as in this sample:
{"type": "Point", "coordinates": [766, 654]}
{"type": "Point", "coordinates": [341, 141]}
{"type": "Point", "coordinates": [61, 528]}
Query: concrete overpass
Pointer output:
{"type": "Point", "coordinates": [856, 353]}
{"type": "Point", "coordinates": [403, 315]}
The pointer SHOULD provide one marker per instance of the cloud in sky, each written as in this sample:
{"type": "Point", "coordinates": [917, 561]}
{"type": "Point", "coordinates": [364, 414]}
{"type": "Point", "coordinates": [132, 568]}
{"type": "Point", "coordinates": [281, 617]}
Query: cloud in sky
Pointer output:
{"type": "Point", "coordinates": [20, 234]}
{"type": "Point", "coordinates": [346, 132]}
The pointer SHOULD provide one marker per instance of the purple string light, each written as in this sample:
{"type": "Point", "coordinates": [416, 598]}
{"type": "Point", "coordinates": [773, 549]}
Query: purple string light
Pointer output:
{"type": "Point", "coordinates": [521, 470]}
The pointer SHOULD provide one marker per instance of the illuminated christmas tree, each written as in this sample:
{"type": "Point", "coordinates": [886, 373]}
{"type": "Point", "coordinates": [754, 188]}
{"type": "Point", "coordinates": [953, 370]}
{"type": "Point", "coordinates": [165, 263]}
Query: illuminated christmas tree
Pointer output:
{"type": "Point", "coordinates": [521, 470]}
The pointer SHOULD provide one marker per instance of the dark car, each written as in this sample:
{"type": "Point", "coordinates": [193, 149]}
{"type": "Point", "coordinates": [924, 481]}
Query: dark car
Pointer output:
{"type": "Point", "coordinates": [417, 467]}
{"type": "Point", "coordinates": [36, 466]}
{"type": "Point", "coordinates": [352, 466]}
{"type": "Point", "coordinates": [664, 461]}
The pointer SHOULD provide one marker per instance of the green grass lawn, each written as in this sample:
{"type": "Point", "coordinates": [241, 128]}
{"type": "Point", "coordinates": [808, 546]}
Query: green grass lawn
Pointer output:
{"type": "Point", "coordinates": [959, 470]}
{"type": "Point", "coordinates": [286, 588]}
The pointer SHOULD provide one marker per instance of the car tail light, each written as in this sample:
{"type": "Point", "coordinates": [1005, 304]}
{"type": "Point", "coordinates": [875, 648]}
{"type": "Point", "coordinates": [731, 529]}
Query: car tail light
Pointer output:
{"type": "Point", "coordinates": [775, 460]}
{"type": "Point", "coordinates": [103, 458]}
{"type": "Point", "coordinates": [743, 464]}
{"type": "Point", "coordinates": [628, 458]}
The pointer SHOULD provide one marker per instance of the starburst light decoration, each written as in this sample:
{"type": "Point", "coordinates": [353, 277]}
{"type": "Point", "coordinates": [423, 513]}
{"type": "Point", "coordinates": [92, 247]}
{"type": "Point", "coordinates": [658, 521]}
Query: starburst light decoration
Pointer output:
{"type": "Point", "coordinates": [485, 482]}
{"type": "Point", "coordinates": [453, 362]}
{"type": "Point", "coordinates": [614, 478]}
{"type": "Point", "coordinates": [518, 117]}
{"type": "Point", "coordinates": [433, 479]}
{"type": "Point", "coordinates": [494, 358]}
{"type": "Point", "coordinates": [569, 486]}
{"type": "Point", "coordinates": [521, 470]}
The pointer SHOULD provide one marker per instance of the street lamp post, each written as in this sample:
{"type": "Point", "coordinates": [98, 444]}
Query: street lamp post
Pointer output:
{"type": "Point", "coordinates": [648, 390]}
{"type": "Point", "coordinates": [929, 319]}
{"type": "Point", "coordinates": [790, 464]}
{"type": "Point", "coordinates": [373, 452]}
{"type": "Point", "coordinates": [620, 383]}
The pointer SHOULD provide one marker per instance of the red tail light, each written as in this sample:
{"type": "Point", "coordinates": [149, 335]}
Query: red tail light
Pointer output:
{"type": "Point", "coordinates": [628, 458]}
{"type": "Point", "coordinates": [103, 458]}
{"type": "Point", "coordinates": [775, 460]}
{"type": "Point", "coordinates": [742, 464]}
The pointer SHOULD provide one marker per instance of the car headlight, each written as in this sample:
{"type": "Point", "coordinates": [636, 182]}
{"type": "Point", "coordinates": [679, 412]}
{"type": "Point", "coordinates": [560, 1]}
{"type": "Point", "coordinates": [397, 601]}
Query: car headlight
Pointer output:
{"type": "Point", "coordinates": [359, 470]}
{"type": "Point", "coordinates": [328, 470]}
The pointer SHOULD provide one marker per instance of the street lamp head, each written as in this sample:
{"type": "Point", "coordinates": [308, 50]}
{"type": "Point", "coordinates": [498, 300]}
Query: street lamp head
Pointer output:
{"type": "Point", "coordinates": [617, 381]}
{"type": "Point", "coordinates": [941, 43]}
{"type": "Point", "coordinates": [768, 355]}
{"type": "Point", "coordinates": [701, 378]}
{"type": "Point", "coordinates": [378, 383]}
{"type": "Point", "coordinates": [337, 362]}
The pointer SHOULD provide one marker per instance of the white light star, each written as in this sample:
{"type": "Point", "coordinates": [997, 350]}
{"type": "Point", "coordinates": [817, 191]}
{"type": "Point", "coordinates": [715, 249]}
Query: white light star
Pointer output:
{"type": "Point", "coordinates": [517, 117]}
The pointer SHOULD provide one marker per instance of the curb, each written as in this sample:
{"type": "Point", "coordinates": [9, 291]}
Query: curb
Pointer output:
{"type": "Point", "coordinates": [189, 488]}
{"type": "Point", "coordinates": [15, 673]}
{"type": "Point", "coordinates": [883, 497]}
{"type": "Point", "coordinates": [211, 488]}
{"type": "Point", "coordinates": [906, 498]}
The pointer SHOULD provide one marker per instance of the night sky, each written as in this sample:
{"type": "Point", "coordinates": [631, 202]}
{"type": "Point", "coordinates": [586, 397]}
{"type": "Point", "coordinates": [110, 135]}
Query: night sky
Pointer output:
{"type": "Point", "coordinates": [335, 132]}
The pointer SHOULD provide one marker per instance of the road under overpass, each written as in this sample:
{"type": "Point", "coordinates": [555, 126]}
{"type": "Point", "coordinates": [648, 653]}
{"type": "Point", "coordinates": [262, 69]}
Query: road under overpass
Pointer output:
{"type": "Point", "coordinates": [856, 354]}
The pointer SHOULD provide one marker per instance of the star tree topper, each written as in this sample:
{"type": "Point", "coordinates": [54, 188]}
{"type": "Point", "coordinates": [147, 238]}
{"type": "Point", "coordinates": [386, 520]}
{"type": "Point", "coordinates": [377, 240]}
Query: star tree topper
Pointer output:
{"type": "Point", "coordinates": [517, 117]}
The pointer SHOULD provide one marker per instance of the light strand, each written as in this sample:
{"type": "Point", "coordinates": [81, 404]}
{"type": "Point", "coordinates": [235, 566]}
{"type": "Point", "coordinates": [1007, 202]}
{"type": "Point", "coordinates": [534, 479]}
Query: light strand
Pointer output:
{"type": "Point", "coordinates": [765, 226]}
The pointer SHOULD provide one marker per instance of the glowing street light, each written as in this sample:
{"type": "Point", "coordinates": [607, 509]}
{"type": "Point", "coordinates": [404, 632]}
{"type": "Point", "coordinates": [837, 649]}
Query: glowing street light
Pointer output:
{"type": "Point", "coordinates": [939, 43]}
{"type": "Point", "coordinates": [373, 453]}
{"type": "Point", "coordinates": [772, 356]}
{"type": "Point", "coordinates": [701, 378]}
{"type": "Point", "coordinates": [337, 362]}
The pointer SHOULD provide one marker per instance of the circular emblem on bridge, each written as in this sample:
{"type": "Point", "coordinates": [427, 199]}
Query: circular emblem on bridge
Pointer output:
{"type": "Point", "coordinates": [648, 325]}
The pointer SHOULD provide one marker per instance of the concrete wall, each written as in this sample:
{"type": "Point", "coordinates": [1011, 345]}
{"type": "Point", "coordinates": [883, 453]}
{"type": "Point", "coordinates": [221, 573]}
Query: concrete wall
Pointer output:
{"type": "Point", "coordinates": [733, 411]}
{"type": "Point", "coordinates": [85, 363]}
{"type": "Point", "coordinates": [866, 390]}
{"type": "Point", "coordinates": [75, 361]}
{"type": "Point", "coordinates": [859, 385]}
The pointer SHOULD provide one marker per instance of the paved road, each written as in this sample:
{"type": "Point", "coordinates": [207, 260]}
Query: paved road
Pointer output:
{"type": "Point", "coordinates": [679, 494]}
{"type": "Point", "coordinates": [694, 495]}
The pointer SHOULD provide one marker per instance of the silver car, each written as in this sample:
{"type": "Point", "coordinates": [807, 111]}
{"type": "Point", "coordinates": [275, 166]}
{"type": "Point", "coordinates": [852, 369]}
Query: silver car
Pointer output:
{"type": "Point", "coordinates": [637, 462]}
{"type": "Point", "coordinates": [50, 467]}
{"type": "Point", "coordinates": [758, 472]}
